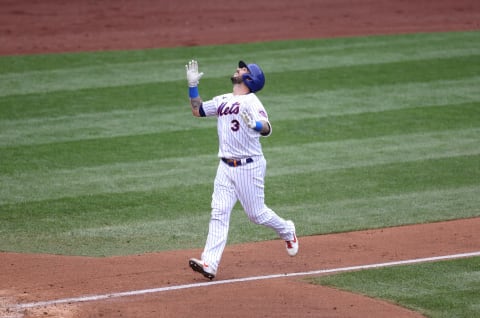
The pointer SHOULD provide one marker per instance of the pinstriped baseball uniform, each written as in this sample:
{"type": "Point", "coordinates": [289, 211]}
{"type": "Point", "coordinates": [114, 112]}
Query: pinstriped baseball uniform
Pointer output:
{"type": "Point", "coordinates": [245, 182]}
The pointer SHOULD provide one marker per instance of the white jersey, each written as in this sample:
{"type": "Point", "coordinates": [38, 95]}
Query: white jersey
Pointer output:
{"type": "Point", "coordinates": [243, 182]}
{"type": "Point", "coordinates": [236, 139]}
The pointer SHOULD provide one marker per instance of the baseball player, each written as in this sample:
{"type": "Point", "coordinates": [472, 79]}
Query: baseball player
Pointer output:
{"type": "Point", "coordinates": [241, 121]}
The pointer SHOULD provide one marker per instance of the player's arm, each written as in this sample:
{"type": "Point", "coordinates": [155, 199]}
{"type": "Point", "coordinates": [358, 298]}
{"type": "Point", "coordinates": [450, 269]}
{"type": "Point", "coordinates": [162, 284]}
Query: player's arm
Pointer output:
{"type": "Point", "coordinates": [196, 104]}
{"type": "Point", "coordinates": [262, 126]}
{"type": "Point", "coordinates": [193, 79]}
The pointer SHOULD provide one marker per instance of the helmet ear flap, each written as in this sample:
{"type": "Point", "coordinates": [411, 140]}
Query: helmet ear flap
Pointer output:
{"type": "Point", "coordinates": [247, 78]}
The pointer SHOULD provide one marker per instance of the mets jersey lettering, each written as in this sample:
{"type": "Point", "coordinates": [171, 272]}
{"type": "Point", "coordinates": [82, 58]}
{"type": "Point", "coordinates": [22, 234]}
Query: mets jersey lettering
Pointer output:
{"type": "Point", "coordinates": [236, 140]}
{"type": "Point", "coordinates": [224, 109]}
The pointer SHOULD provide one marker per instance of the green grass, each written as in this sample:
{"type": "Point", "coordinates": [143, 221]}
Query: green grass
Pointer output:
{"type": "Point", "coordinates": [99, 153]}
{"type": "Point", "coordinates": [442, 290]}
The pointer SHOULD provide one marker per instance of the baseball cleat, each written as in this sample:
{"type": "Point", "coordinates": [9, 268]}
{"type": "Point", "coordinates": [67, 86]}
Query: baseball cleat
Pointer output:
{"type": "Point", "coordinates": [292, 245]}
{"type": "Point", "coordinates": [202, 268]}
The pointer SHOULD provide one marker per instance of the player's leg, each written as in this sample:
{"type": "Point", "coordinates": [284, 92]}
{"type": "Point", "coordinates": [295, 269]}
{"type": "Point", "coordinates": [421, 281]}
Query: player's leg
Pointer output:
{"type": "Point", "coordinates": [223, 201]}
{"type": "Point", "coordinates": [249, 180]}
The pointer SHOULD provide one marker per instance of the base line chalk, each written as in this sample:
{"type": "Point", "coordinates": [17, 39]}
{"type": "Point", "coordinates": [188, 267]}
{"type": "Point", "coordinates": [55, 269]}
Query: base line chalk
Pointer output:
{"type": "Point", "coordinates": [239, 280]}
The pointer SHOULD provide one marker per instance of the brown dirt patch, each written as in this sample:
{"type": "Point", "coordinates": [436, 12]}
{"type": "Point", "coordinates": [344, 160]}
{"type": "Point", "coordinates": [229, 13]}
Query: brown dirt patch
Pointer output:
{"type": "Point", "coordinates": [33, 278]}
{"type": "Point", "coordinates": [32, 26]}
{"type": "Point", "coordinates": [46, 26]}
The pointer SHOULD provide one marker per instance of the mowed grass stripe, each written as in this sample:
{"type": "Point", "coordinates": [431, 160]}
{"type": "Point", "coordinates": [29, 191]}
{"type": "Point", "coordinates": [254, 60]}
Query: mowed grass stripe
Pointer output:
{"type": "Point", "coordinates": [375, 124]}
{"type": "Point", "coordinates": [378, 211]}
{"type": "Point", "coordinates": [64, 104]}
{"type": "Point", "coordinates": [372, 75]}
{"type": "Point", "coordinates": [203, 141]}
{"type": "Point", "coordinates": [165, 96]}
{"type": "Point", "coordinates": [317, 186]}
{"type": "Point", "coordinates": [343, 101]}
{"type": "Point", "coordinates": [310, 55]}
{"type": "Point", "coordinates": [353, 153]}
{"type": "Point", "coordinates": [315, 200]}
{"type": "Point", "coordinates": [189, 230]}
{"type": "Point", "coordinates": [173, 172]}
{"type": "Point", "coordinates": [375, 181]}
{"type": "Point", "coordinates": [158, 118]}
{"type": "Point", "coordinates": [341, 48]}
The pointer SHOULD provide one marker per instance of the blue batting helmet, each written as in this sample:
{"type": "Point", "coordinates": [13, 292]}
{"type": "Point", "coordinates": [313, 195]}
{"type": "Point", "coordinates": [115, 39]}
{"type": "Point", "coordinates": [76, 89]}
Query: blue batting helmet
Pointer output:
{"type": "Point", "coordinates": [255, 80]}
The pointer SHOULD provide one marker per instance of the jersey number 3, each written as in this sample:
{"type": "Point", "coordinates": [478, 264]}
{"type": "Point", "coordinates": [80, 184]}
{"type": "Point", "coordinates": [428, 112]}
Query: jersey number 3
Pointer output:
{"type": "Point", "coordinates": [235, 125]}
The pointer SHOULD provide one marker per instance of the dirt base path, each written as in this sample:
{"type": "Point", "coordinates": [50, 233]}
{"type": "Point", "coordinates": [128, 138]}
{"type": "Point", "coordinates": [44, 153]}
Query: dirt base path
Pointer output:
{"type": "Point", "coordinates": [35, 278]}
{"type": "Point", "coordinates": [28, 27]}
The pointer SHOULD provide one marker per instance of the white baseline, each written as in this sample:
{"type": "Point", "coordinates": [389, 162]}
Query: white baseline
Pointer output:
{"type": "Point", "coordinates": [239, 280]}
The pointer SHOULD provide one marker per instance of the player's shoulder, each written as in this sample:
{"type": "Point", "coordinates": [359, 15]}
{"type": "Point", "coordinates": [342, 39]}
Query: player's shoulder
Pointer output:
{"type": "Point", "coordinates": [224, 96]}
{"type": "Point", "coordinates": [251, 98]}
{"type": "Point", "coordinates": [220, 99]}
{"type": "Point", "coordinates": [254, 101]}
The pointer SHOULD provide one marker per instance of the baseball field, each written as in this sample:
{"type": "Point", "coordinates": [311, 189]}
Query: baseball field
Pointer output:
{"type": "Point", "coordinates": [106, 177]}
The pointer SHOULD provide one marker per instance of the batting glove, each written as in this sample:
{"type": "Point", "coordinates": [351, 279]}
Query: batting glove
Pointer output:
{"type": "Point", "coordinates": [193, 76]}
{"type": "Point", "coordinates": [248, 119]}
{"type": "Point", "coordinates": [251, 123]}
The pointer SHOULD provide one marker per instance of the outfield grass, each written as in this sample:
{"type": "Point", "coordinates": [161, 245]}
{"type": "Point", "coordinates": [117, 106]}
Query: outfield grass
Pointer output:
{"type": "Point", "coordinates": [100, 154]}
{"type": "Point", "coordinates": [442, 290]}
